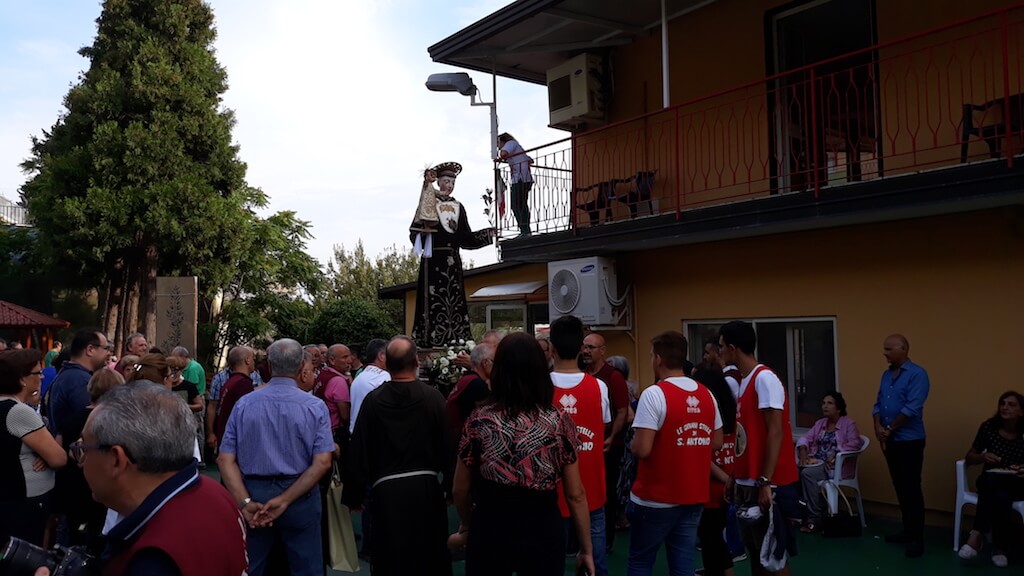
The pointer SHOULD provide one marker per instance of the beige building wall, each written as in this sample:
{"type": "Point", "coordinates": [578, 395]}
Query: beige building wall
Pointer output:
{"type": "Point", "coordinates": [951, 284]}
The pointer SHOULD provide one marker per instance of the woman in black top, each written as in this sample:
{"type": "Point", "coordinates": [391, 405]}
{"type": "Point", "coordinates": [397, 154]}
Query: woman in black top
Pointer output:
{"type": "Point", "coordinates": [999, 446]}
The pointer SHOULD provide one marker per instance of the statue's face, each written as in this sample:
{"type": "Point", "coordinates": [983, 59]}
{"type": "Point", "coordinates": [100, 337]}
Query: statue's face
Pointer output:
{"type": "Point", "coordinates": [446, 184]}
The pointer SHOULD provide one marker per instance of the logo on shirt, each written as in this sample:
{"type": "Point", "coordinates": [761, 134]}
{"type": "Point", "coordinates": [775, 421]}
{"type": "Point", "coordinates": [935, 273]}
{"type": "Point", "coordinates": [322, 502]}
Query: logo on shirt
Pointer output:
{"type": "Point", "coordinates": [568, 403]}
{"type": "Point", "coordinates": [692, 405]}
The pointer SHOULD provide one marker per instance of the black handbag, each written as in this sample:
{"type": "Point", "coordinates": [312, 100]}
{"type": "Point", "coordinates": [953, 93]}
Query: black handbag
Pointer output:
{"type": "Point", "coordinates": [842, 524]}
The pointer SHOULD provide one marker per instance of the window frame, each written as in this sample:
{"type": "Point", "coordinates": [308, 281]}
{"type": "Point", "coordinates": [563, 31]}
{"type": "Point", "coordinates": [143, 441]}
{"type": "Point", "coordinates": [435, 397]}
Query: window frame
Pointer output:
{"type": "Point", "coordinates": [790, 357]}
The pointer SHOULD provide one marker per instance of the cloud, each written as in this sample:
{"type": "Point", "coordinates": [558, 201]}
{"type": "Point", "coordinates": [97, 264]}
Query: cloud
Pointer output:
{"type": "Point", "coordinates": [333, 119]}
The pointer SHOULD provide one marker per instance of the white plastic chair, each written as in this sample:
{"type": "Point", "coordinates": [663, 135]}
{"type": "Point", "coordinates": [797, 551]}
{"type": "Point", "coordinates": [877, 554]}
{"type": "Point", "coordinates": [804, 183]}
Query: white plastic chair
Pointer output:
{"type": "Point", "coordinates": [837, 481]}
{"type": "Point", "coordinates": [965, 496]}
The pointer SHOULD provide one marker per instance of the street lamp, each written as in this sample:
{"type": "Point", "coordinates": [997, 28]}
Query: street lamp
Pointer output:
{"type": "Point", "coordinates": [461, 82]}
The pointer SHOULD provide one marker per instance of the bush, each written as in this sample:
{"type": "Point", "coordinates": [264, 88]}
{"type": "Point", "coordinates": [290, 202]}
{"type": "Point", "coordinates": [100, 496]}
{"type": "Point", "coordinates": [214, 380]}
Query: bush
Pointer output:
{"type": "Point", "coordinates": [350, 321]}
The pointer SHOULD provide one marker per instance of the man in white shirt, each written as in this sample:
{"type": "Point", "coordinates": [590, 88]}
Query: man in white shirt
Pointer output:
{"type": "Point", "coordinates": [521, 179]}
{"type": "Point", "coordinates": [678, 426]}
{"type": "Point", "coordinates": [372, 376]}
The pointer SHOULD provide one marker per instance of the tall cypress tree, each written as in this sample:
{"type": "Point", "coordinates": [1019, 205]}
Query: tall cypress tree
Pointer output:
{"type": "Point", "coordinates": [139, 176]}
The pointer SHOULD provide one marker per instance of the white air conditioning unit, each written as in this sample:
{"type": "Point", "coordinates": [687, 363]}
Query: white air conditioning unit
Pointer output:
{"type": "Point", "coordinates": [574, 93]}
{"type": "Point", "coordinates": [583, 288]}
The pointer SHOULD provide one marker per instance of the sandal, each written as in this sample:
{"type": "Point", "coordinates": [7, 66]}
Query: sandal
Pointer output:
{"type": "Point", "coordinates": [967, 552]}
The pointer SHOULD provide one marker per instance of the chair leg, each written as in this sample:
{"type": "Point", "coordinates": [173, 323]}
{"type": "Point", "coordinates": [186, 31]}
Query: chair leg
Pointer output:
{"type": "Point", "coordinates": [860, 510]}
{"type": "Point", "coordinates": [956, 526]}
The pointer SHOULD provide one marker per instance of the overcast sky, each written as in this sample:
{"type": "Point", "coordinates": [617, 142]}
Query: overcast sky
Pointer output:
{"type": "Point", "coordinates": [333, 119]}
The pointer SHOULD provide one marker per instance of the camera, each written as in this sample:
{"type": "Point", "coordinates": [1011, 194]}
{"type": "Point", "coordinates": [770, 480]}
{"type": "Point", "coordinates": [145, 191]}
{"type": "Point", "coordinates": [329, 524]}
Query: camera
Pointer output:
{"type": "Point", "coordinates": [19, 558]}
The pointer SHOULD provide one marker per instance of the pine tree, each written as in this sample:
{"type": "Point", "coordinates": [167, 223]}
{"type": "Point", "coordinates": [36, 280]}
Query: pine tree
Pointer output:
{"type": "Point", "coordinates": [139, 176]}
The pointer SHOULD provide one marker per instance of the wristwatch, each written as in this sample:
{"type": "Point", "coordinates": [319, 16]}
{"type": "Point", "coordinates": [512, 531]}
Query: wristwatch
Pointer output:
{"type": "Point", "coordinates": [763, 481]}
{"type": "Point", "coordinates": [244, 503]}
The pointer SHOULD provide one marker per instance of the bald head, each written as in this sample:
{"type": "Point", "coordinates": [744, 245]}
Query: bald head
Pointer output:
{"type": "Point", "coordinates": [593, 352]}
{"type": "Point", "coordinates": [400, 358]}
{"type": "Point", "coordinates": [239, 358]}
{"type": "Point", "coordinates": [896, 349]}
{"type": "Point", "coordinates": [339, 357]}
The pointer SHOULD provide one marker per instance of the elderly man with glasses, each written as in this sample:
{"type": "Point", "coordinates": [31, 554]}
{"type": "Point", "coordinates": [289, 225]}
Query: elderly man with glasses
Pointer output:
{"type": "Point", "coordinates": [145, 470]}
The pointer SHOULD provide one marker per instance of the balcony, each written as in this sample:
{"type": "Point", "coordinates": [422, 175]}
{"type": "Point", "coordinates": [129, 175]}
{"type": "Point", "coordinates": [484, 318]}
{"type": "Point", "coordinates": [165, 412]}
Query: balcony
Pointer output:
{"type": "Point", "coordinates": [917, 113]}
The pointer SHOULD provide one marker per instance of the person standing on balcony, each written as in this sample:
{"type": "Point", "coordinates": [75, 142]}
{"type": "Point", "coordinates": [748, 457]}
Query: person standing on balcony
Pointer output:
{"type": "Point", "coordinates": [521, 178]}
{"type": "Point", "coordinates": [899, 427]}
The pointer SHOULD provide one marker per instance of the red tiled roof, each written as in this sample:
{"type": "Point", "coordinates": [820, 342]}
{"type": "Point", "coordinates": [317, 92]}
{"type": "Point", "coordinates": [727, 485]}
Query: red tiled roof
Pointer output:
{"type": "Point", "coordinates": [14, 316]}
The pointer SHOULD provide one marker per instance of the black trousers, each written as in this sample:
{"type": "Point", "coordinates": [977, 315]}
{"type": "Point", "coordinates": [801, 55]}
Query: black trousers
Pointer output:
{"type": "Point", "coordinates": [520, 208]}
{"type": "Point", "coordinates": [996, 495]}
{"type": "Point", "coordinates": [714, 552]}
{"type": "Point", "coordinates": [612, 465]}
{"type": "Point", "coordinates": [905, 460]}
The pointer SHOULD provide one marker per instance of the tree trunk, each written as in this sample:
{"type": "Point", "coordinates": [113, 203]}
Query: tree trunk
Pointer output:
{"type": "Point", "coordinates": [131, 324]}
{"type": "Point", "coordinates": [149, 290]}
{"type": "Point", "coordinates": [122, 310]}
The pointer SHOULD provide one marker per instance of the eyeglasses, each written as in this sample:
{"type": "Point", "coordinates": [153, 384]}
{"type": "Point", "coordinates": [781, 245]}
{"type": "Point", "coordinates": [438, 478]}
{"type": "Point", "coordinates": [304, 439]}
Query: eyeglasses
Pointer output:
{"type": "Point", "coordinates": [591, 347]}
{"type": "Point", "coordinates": [78, 450]}
{"type": "Point", "coordinates": [35, 373]}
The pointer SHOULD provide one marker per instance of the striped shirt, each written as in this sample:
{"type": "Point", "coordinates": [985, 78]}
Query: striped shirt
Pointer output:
{"type": "Point", "coordinates": [277, 429]}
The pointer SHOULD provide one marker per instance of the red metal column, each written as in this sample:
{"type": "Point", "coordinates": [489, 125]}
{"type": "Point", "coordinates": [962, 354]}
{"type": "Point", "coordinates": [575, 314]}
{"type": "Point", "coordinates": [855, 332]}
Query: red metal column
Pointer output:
{"type": "Point", "coordinates": [1004, 32]}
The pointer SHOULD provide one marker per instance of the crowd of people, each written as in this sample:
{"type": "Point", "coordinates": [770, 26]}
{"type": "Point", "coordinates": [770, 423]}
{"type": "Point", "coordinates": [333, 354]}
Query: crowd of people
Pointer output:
{"type": "Point", "coordinates": [545, 448]}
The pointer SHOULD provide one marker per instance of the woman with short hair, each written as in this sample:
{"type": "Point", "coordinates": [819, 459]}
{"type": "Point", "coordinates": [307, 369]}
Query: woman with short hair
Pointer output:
{"type": "Point", "coordinates": [28, 452]}
{"type": "Point", "coordinates": [816, 453]}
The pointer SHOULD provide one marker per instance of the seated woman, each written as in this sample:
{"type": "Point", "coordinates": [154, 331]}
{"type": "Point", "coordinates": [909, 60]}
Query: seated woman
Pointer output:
{"type": "Point", "coordinates": [999, 447]}
{"type": "Point", "coordinates": [817, 449]}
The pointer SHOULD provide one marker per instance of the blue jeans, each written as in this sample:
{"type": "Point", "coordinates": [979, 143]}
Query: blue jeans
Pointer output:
{"type": "Point", "coordinates": [676, 527]}
{"type": "Point", "coordinates": [597, 540]}
{"type": "Point", "coordinates": [298, 528]}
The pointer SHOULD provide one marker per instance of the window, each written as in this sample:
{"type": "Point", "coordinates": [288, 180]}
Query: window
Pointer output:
{"type": "Point", "coordinates": [801, 351]}
{"type": "Point", "coordinates": [510, 316]}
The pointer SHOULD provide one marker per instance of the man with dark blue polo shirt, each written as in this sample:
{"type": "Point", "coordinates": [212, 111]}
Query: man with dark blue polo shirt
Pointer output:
{"type": "Point", "coordinates": [68, 407]}
{"type": "Point", "coordinates": [899, 428]}
{"type": "Point", "coordinates": [276, 447]}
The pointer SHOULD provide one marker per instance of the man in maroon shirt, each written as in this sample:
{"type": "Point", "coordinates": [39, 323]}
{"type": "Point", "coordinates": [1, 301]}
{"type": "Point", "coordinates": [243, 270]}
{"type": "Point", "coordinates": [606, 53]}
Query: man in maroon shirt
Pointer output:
{"type": "Point", "coordinates": [241, 362]}
{"type": "Point", "coordinates": [593, 355]}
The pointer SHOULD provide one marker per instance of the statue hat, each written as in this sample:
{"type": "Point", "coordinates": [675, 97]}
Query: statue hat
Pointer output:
{"type": "Point", "coordinates": [447, 169]}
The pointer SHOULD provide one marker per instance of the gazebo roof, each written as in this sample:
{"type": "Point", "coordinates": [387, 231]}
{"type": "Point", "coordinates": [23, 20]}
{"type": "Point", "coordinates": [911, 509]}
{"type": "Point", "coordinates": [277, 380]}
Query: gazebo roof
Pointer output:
{"type": "Point", "coordinates": [14, 316]}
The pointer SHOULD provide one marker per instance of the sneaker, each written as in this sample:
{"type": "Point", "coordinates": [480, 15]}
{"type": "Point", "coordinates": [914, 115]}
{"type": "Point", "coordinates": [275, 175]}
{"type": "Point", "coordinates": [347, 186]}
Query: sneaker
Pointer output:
{"type": "Point", "coordinates": [967, 552]}
{"type": "Point", "coordinates": [739, 557]}
{"type": "Point", "coordinates": [999, 559]}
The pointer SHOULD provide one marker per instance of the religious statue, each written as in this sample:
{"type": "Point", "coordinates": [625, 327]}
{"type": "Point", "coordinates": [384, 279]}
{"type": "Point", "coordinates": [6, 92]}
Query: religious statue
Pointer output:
{"type": "Point", "coordinates": [439, 230]}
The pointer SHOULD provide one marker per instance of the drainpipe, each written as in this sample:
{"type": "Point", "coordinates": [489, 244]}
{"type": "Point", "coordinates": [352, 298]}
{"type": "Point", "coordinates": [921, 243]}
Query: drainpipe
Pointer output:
{"type": "Point", "coordinates": [664, 57]}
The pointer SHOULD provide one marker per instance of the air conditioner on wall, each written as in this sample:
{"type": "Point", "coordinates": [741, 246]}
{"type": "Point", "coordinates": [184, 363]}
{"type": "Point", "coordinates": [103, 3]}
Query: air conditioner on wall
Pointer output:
{"type": "Point", "coordinates": [575, 99]}
{"type": "Point", "coordinates": [585, 288]}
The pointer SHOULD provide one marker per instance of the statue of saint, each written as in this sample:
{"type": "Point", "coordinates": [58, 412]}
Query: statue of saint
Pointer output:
{"type": "Point", "coordinates": [439, 230]}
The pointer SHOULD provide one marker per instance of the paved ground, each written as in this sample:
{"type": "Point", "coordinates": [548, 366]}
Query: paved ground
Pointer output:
{"type": "Point", "coordinates": [867, 555]}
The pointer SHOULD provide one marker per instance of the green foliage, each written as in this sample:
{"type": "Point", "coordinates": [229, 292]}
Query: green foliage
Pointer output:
{"type": "Point", "coordinates": [353, 275]}
{"type": "Point", "coordinates": [350, 320]}
{"type": "Point", "coordinates": [140, 171]}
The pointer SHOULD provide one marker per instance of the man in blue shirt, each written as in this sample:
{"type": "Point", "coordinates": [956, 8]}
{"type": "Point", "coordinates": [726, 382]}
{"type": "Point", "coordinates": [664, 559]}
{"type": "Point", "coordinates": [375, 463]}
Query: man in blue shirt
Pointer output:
{"type": "Point", "coordinates": [276, 447]}
{"type": "Point", "coordinates": [68, 407]}
{"type": "Point", "coordinates": [899, 428]}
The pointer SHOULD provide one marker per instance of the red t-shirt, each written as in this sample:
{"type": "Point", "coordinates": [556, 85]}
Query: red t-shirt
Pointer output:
{"type": "Point", "coordinates": [237, 385]}
{"type": "Point", "coordinates": [618, 395]}
{"type": "Point", "coordinates": [583, 404]}
{"type": "Point", "coordinates": [678, 470]}
{"type": "Point", "coordinates": [752, 436]}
